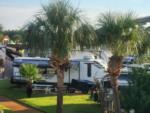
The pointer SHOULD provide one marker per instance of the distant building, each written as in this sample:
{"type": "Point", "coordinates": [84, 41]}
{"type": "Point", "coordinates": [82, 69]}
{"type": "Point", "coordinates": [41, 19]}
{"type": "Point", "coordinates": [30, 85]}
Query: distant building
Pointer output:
{"type": "Point", "coordinates": [145, 21]}
{"type": "Point", "coordinates": [6, 39]}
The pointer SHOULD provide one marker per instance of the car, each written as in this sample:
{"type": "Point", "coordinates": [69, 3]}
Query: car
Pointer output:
{"type": "Point", "coordinates": [128, 60]}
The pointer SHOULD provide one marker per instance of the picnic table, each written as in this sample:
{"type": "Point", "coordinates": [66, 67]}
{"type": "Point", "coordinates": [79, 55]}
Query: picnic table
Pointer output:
{"type": "Point", "coordinates": [42, 87]}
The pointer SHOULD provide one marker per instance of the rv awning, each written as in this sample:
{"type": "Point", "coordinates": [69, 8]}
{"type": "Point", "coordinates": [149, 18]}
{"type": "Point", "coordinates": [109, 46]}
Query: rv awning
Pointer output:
{"type": "Point", "coordinates": [38, 62]}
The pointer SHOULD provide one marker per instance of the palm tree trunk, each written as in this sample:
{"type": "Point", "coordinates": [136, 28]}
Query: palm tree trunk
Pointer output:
{"type": "Point", "coordinates": [101, 96]}
{"type": "Point", "coordinates": [116, 95]}
{"type": "Point", "coordinates": [60, 88]}
{"type": "Point", "coordinates": [114, 67]}
{"type": "Point", "coordinates": [29, 89]}
{"type": "Point", "coordinates": [102, 102]}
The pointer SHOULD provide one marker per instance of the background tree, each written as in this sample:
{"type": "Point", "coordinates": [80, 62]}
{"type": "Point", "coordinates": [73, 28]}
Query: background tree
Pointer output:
{"type": "Point", "coordinates": [122, 36]}
{"type": "Point", "coordinates": [1, 33]}
{"type": "Point", "coordinates": [15, 35]}
{"type": "Point", "coordinates": [35, 38]}
{"type": "Point", "coordinates": [1, 28]}
{"type": "Point", "coordinates": [1, 37]}
{"type": "Point", "coordinates": [58, 31]}
{"type": "Point", "coordinates": [18, 38]}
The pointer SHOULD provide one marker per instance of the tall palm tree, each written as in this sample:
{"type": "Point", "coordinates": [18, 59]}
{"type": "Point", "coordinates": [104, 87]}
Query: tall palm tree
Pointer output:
{"type": "Point", "coordinates": [61, 29]}
{"type": "Point", "coordinates": [122, 36]}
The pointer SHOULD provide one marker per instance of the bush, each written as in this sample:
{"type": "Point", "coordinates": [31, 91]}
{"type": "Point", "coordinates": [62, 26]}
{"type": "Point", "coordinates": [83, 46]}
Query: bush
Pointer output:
{"type": "Point", "coordinates": [137, 95]}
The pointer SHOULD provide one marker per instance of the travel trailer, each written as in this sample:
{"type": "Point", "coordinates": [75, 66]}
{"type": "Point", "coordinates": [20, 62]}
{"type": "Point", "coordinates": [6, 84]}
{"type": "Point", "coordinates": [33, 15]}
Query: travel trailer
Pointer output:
{"type": "Point", "coordinates": [85, 68]}
{"type": "Point", "coordinates": [2, 52]}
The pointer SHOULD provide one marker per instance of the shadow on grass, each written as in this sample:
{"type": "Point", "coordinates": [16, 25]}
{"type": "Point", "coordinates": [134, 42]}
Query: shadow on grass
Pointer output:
{"type": "Point", "coordinates": [12, 91]}
{"type": "Point", "coordinates": [74, 108]}
{"type": "Point", "coordinates": [15, 92]}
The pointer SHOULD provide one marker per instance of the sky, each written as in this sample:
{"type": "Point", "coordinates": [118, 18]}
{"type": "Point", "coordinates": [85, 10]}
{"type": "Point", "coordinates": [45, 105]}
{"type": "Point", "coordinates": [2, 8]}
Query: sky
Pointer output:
{"type": "Point", "coordinates": [14, 14]}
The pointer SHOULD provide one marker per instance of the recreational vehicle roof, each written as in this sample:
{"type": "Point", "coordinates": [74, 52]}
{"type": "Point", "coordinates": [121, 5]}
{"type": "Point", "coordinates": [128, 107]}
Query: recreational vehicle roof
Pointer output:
{"type": "Point", "coordinates": [31, 58]}
{"type": "Point", "coordinates": [40, 62]}
{"type": "Point", "coordinates": [45, 62]}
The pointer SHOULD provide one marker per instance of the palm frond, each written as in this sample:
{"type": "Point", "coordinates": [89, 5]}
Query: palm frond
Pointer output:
{"type": "Point", "coordinates": [120, 33]}
{"type": "Point", "coordinates": [60, 23]}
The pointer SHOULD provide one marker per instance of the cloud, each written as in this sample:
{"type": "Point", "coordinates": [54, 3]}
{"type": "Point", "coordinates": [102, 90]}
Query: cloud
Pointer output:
{"type": "Point", "coordinates": [16, 17]}
{"type": "Point", "coordinates": [92, 14]}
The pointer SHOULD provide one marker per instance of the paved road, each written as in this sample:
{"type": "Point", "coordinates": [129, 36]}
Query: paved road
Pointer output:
{"type": "Point", "coordinates": [16, 107]}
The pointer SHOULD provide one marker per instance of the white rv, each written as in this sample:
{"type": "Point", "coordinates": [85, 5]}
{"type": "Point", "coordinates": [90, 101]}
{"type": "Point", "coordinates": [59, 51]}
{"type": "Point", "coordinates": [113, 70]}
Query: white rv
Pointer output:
{"type": "Point", "coordinates": [85, 68]}
{"type": "Point", "coordinates": [2, 52]}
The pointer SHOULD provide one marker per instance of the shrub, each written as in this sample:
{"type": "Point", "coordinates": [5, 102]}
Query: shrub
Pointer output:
{"type": "Point", "coordinates": [137, 95]}
{"type": "Point", "coordinates": [30, 72]}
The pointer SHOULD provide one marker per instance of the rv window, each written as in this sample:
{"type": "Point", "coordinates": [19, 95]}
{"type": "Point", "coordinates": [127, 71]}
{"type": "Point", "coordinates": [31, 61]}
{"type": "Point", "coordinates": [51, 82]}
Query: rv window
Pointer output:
{"type": "Point", "coordinates": [48, 71]}
{"type": "Point", "coordinates": [51, 71]}
{"type": "Point", "coordinates": [89, 70]}
{"type": "Point", "coordinates": [74, 65]}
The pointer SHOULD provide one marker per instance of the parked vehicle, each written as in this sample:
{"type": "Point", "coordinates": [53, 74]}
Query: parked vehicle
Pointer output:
{"type": "Point", "coordinates": [128, 60]}
{"type": "Point", "coordinates": [80, 69]}
{"type": "Point", "coordinates": [103, 88]}
{"type": "Point", "coordinates": [83, 85]}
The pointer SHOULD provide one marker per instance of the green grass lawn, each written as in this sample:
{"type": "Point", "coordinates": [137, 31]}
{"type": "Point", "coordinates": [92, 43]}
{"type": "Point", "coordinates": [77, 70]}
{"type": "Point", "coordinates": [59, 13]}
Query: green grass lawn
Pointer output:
{"type": "Point", "coordinates": [6, 110]}
{"type": "Point", "coordinates": [11, 91]}
{"type": "Point", "coordinates": [72, 103]}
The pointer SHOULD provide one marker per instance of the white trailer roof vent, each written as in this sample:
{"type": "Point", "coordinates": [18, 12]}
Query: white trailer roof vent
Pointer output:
{"type": "Point", "coordinates": [88, 57]}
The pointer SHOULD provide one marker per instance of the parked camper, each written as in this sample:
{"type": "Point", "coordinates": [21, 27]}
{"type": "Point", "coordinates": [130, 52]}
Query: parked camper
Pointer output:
{"type": "Point", "coordinates": [80, 69]}
{"type": "Point", "coordinates": [2, 52]}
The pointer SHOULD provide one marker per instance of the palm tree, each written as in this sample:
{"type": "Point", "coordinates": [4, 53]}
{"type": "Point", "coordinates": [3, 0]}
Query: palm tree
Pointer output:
{"type": "Point", "coordinates": [31, 73]}
{"type": "Point", "coordinates": [61, 29]}
{"type": "Point", "coordinates": [122, 36]}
